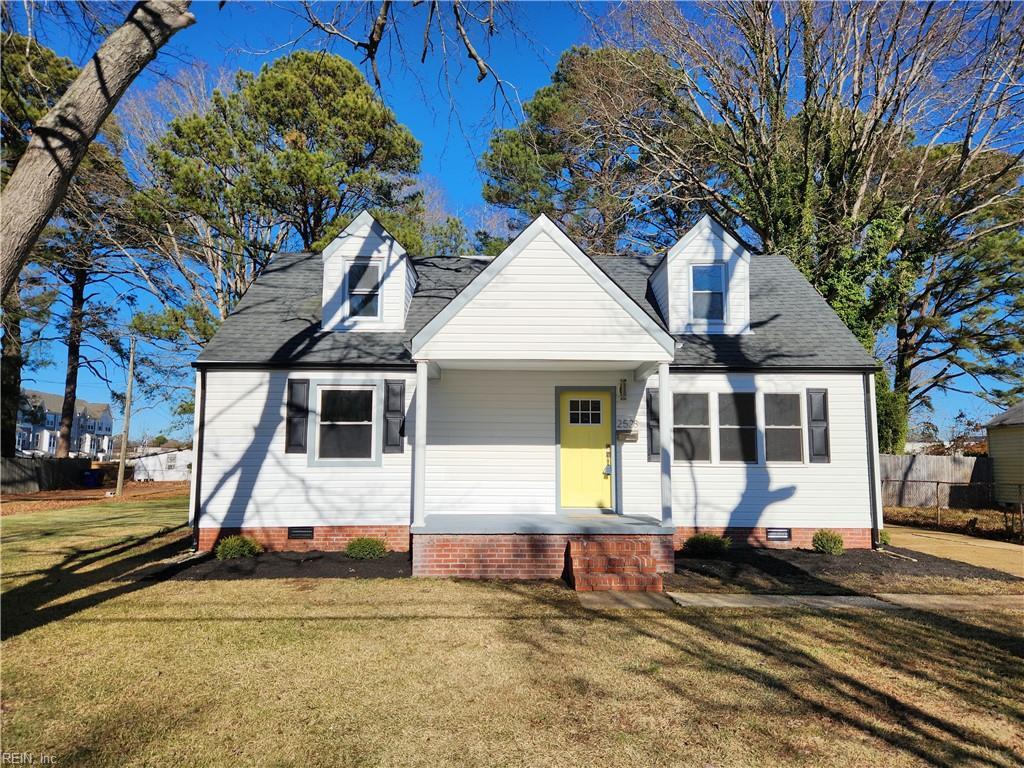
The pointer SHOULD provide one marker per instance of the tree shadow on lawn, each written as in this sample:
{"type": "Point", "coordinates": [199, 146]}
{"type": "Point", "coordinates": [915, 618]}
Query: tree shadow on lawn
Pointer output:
{"type": "Point", "coordinates": [27, 606]}
{"type": "Point", "coordinates": [982, 669]}
{"type": "Point", "coordinates": [798, 571]}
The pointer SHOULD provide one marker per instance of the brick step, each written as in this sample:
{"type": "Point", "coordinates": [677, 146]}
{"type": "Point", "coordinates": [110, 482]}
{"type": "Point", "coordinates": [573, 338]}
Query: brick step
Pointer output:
{"type": "Point", "coordinates": [614, 564]}
{"type": "Point", "coordinates": [618, 582]}
{"type": "Point", "coordinates": [618, 546]}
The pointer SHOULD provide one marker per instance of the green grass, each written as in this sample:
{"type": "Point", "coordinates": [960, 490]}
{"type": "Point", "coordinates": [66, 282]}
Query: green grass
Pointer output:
{"type": "Point", "coordinates": [101, 671]}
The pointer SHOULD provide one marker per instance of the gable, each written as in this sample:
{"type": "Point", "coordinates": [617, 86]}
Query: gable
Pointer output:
{"type": "Point", "coordinates": [543, 299]}
{"type": "Point", "coordinates": [366, 243]}
{"type": "Point", "coordinates": [706, 243]}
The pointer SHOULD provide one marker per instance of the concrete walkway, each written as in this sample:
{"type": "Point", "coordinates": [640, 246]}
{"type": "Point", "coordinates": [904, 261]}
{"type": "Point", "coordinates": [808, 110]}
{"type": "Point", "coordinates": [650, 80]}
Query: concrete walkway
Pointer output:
{"type": "Point", "coordinates": [986, 553]}
{"type": "Point", "coordinates": [609, 601]}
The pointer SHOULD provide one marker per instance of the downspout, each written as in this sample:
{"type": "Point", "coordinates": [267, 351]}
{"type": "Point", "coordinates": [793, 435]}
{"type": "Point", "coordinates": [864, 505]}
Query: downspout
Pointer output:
{"type": "Point", "coordinates": [872, 449]}
{"type": "Point", "coordinates": [197, 472]}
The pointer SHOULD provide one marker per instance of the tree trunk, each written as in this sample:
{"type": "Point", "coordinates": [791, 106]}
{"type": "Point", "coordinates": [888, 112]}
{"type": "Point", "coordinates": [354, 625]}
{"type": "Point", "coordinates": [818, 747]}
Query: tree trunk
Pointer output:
{"type": "Point", "coordinates": [10, 376]}
{"type": "Point", "coordinates": [61, 138]}
{"type": "Point", "coordinates": [76, 321]}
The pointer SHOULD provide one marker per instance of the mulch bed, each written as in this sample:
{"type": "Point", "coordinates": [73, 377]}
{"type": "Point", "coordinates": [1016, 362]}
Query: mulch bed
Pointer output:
{"type": "Point", "coordinates": [299, 565]}
{"type": "Point", "coordinates": [799, 571]}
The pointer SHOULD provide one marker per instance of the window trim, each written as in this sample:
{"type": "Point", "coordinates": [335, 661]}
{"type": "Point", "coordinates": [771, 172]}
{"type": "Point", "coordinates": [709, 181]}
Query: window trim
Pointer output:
{"type": "Point", "coordinates": [801, 395]}
{"type": "Point", "coordinates": [350, 291]}
{"type": "Point", "coordinates": [723, 272]}
{"type": "Point", "coordinates": [313, 427]}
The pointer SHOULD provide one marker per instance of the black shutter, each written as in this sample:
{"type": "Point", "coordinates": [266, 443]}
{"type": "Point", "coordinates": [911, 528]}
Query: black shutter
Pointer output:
{"type": "Point", "coordinates": [817, 426]}
{"type": "Point", "coordinates": [653, 443]}
{"type": "Point", "coordinates": [297, 416]}
{"type": "Point", "coordinates": [394, 416]}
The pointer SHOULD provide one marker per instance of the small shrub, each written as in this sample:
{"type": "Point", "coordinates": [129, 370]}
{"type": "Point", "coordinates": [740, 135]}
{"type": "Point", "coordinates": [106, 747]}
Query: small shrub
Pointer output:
{"type": "Point", "coordinates": [884, 538]}
{"type": "Point", "coordinates": [366, 548]}
{"type": "Point", "coordinates": [706, 545]}
{"type": "Point", "coordinates": [827, 542]}
{"type": "Point", "coordinates": [237, 546]}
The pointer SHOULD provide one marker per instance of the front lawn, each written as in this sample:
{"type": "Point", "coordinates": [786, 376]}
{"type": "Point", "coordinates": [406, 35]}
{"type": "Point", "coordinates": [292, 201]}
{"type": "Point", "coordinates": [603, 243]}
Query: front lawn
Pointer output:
{"type": "Point", "coordinates": [855, 572]}
{"type": "Point", "coordinates": [100, 668]}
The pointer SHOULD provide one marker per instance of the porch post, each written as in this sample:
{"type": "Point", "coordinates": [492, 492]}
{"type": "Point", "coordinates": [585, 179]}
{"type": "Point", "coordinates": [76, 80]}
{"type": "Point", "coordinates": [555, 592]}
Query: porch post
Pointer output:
{"type": "Point", "coordinates": [419, 482]}
{"type": "Point", "coordinates": [665, 422]}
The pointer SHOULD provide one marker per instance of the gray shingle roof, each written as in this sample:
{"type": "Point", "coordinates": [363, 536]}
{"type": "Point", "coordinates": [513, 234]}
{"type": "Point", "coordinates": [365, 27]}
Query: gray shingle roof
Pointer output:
{"type": "Point", "coordinates": [793, 326]}
{"type": "Point", "coordinates": [54, 403]}
{"type": "Point", "coordinates": [278, 321]}
{"type": "Point", "coordinates": [1012, 416]}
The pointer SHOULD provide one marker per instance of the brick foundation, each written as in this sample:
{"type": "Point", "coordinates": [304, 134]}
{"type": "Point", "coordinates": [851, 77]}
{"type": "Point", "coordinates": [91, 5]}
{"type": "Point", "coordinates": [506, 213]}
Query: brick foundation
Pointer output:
{"type": "Point", "coordinates": [514, 556]}
{"type": "Point", "coordinates": [326, 538]}
{"type": "Point", "coordinates": [853, 538]}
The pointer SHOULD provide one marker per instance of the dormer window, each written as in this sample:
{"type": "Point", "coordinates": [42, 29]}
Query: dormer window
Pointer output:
{"type": "Point", "coordinates": [707, 295]}
{"type": "Point", "coordinates": [364, 290]}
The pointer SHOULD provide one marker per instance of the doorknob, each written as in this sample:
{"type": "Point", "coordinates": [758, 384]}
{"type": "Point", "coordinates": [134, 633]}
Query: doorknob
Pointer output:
{"type": "Point", "coordinates": [608, 460]}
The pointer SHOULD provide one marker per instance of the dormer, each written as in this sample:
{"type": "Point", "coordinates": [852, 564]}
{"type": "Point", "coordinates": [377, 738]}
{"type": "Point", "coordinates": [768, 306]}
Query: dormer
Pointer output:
{"type": "Point", "coordinates": [368, 279]}
{"type": "Point", "coordinates": [703, 283]}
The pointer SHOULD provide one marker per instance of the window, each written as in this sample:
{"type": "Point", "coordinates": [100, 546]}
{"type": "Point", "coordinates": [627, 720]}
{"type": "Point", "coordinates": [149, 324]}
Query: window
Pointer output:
{"type": "Point", "coordinates": [783, 433]}
{"type": "Point", "coordinates": [691, 432]}
{"type": "Point", "coordinates": [737, 427]}
{"type": "Point", "coordinates": [364, 290]}
{"type": "Point", "coordinates": [584, 411]}
{"type": "Point", "coordinates": [707, 295]}
{"type": "Point", "coordinates": [345, 423]}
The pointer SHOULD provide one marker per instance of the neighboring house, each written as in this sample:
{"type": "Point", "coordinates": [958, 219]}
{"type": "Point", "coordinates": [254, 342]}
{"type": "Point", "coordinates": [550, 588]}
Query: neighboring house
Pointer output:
{"type": "Point", "coordinates": [490, 413]}
{"type": "Point", "coordinates": [920, 441]}
{"type": "Point", "coordinates": [175, 464]}
{"type": "Point", "coordinates": [1006, 449]}
{"type": "Point", "coordinates": [39, 426]}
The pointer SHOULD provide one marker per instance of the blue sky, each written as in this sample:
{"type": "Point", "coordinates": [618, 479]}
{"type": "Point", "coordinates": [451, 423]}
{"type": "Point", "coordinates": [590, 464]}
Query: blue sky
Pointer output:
{"type": "Point", "coordinates": [247, 35]}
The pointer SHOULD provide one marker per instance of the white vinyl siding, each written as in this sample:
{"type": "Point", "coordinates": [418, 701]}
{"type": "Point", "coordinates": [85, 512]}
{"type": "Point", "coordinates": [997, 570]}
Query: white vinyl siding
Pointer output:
{"type": "Point", "coordinates": [491, 442]}
{"type": "Point", "coordinates": [365, 246]}
{"type": "Point", "coordinates": [542, 306]}
{"type": "Point", "coordinates": [704, 245]}
{"type": "Point", "coordinates": [777, 494]}
{"type": "Point", "coordinates": [492, 449]}
{"type": "Point", "coordinates": [249, 479]}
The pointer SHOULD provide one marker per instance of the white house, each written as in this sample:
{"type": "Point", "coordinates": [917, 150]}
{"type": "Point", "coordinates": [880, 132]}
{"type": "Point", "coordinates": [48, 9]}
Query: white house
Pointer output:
{"type": "Point", "coordinates": [533, 415]}
{"type": "Point", "coordinates": [39, 426]}
{"type": "Point", "coordinates": [174, 464]}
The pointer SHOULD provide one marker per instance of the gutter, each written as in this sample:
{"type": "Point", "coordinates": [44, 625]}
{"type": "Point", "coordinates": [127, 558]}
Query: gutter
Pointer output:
{"type": "Point", "coordinates": [298, 365]}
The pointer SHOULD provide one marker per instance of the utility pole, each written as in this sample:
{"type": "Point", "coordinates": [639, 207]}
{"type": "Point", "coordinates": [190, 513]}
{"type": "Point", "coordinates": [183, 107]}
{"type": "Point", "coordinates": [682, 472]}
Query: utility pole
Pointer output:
{"type": "Point", "coordinates": [127, 418]}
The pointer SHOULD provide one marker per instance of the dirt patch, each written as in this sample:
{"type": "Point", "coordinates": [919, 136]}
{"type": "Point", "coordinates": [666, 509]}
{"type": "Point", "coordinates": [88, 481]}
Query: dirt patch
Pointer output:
{"type": "Point", "coordinates": [857, 571]}
{"type": "Point", "coordinates": [1001, 524]}
{"type": "Point", "coordinates": [18, 503]}
{"type": "Point", "coordinates": [299, 565]}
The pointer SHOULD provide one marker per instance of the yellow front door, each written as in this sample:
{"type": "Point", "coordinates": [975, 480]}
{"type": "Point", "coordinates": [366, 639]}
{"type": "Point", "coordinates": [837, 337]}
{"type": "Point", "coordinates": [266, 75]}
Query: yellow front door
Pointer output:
{"type": "Point", "coordinates": [585, 419]}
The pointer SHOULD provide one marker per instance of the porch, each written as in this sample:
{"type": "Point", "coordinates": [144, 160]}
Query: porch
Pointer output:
{"type": "Point", "coordinates": [582, 524]}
